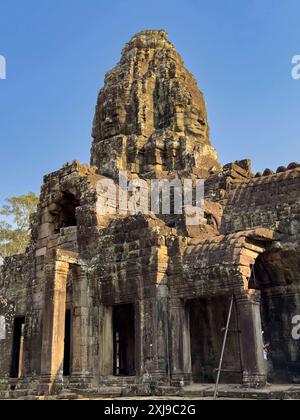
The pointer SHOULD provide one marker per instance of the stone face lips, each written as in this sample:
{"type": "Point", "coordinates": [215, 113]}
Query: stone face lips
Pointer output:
{"type": "Point", "coordinates": [151, 116]}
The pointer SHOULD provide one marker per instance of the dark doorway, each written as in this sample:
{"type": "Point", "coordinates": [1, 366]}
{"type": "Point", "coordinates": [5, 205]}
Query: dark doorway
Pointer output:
{"type": "Point", "coordinates": [17, 350]}
{"type": "Point", "coordinates": [124, 340]}
{"type": "Point", "coordinates": [276, 274]}
{"type": "Point", "coordinates": [67, 350]}
{"type": "Point", "coordinates": [207, 319]}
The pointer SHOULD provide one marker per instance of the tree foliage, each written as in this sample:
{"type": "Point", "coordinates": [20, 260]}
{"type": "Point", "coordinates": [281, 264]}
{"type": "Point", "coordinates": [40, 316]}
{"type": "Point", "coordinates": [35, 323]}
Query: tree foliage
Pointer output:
{"type": "Point", "coordinates": [15, 224]}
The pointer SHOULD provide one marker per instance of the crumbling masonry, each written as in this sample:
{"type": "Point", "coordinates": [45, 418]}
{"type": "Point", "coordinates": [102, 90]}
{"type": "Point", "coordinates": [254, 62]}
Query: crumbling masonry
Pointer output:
{"type": "Point", "coordinates": [139, 301]}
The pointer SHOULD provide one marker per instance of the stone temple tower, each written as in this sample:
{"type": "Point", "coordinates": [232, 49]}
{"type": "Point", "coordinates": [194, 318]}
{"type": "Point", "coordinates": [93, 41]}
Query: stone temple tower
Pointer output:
{"type": "Point", "coordinates": [150, 116]}
{"type": "Point", "coordinates": [124, 302]}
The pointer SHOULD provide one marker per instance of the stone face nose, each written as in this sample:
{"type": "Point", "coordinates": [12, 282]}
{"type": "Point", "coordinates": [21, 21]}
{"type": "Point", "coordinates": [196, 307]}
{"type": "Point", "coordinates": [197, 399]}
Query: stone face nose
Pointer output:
{"type": "Point", "coordinates": [150, 115]}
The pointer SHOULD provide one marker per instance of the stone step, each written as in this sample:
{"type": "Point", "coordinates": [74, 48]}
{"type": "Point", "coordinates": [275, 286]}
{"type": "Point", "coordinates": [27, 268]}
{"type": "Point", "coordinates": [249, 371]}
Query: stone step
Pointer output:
{"type": "Point", "coordinates": [101, 392]}
{"type": "Point", "coordinates": [250, 394]}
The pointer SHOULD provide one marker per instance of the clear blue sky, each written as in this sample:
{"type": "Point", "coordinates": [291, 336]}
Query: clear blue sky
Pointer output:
{"type": "Point", "coordinates": [58, 51]}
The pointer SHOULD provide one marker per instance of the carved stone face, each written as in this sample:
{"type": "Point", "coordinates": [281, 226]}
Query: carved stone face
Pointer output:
{"type": "Point", "coordinates": [147, 40]}
{"type": "Point", "coordinates": [150, 94]}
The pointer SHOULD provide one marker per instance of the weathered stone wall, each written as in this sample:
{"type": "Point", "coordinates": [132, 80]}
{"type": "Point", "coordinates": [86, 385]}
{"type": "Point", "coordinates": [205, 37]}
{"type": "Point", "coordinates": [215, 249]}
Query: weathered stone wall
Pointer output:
{"type": "Point", "coordinates": [17, 291]}
{"type": "Point", "coordinates": [215, 266]}
{"type": "Point", "coordinates": [269, 201]}
{"type": "Point", "coordinates": [132, 268]}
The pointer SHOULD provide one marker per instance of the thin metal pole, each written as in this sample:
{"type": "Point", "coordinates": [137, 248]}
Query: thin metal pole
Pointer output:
{"type": "Point", "coordinates": [223, 349]}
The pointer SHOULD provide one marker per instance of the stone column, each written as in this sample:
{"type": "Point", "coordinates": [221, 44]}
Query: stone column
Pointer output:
{"type": "Point", "coordinates": [81, 330]}
{"type": "Point", "coordinates": [139, 338]}
{"type": "Point", "coordinates": [163, 367]}
{"type": "Point", "coordinates": [106, 348]}
{"type": "Point", "coordinates": [180, 347]}
{"type": "Point", "coordinates": [54, 326]}
{"type": "Point", "coordinates": [156, 341]}
{"type": "Point", "coordinates": [251, 340]}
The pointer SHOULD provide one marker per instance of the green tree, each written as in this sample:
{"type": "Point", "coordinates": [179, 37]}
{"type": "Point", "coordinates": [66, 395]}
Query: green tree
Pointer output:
{"type": "Point", "coordinates": [15, 224]}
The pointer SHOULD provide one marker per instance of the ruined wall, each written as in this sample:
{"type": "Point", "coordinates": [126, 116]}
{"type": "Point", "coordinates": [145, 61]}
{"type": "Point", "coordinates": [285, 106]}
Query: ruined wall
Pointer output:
{"type": "Point", "coordinates": [265, 201]}
{"type": "Point", "coordinates": [17, 290]}
{"type": "Point", "coordinates": [131, 268]}
{"type": "Point", "coordinates": [217, 265]}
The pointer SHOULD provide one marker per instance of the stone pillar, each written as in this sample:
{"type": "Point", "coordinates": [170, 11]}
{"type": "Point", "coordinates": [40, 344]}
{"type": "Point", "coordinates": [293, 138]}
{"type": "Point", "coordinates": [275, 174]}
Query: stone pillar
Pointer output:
{"type": "Point", "coordinates": [163, 367]}
{"type": "Point", "coordinates": [54, 326]}
{"type": "Point", "coordinates": [251, 340]}
{"type": "Point", "coordinates": [157, 340]}
{"type": "Point", "coordinates": [106, 350]}
{"type": "Point", "coordinates": [81, 330]}
{"type": "Point", "coordinates": [152, 337]}
{"type": "Point", "coordinates": [180, 346]}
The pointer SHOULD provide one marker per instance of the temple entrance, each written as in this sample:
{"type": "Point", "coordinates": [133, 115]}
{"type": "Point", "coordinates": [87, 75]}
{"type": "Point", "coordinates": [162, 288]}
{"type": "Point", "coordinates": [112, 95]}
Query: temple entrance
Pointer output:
{"type": "Point", "coordinates": [17, 350]}
{"type": "Point", "coordinates": [124, 340]}
{"type": "Point", "coordinates": [62, 325]}
{"type": "Point", "coordinates": [277, 275]}
{"type": "Point", "coordinates": [207, 319]}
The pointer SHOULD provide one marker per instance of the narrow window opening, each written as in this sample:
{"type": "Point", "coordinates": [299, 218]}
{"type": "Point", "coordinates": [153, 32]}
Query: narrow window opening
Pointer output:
{"type": "Point", "coordinates": [65, 214]}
